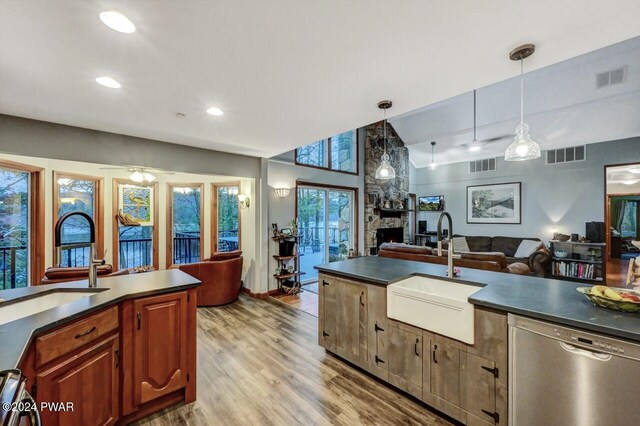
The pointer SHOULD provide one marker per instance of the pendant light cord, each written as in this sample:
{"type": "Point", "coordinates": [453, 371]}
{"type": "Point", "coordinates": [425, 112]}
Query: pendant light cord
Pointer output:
{"type": "Point", "coordinates": [521, 91]}
{"type": "Point", "coordinates": [384, 141]}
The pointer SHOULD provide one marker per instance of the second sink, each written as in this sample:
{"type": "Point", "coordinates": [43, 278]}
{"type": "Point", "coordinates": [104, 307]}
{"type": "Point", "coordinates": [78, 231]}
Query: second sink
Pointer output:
{"type": "Point", "coordinates": [436, 305]}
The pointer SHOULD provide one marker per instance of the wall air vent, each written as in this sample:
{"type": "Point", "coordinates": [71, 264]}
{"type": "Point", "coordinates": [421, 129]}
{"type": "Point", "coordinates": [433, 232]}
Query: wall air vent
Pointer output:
{"type": "Point", "coordinates": [567, 155]}
{"type": "Point", "coordinates": [611, 77]}
{"type": "Point", "coordinates": [486, 165]}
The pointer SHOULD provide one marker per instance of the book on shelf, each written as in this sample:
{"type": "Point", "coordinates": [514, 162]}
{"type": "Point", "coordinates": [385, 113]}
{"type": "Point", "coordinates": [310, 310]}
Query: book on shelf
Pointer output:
{"type": "Point", "coordinates": [574, 270]}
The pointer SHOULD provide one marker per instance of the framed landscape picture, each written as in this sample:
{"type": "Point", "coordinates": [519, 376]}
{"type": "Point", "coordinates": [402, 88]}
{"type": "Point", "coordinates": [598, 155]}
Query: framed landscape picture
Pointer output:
{"type": "Point", "coordinates": [431, 203]}
{"type": "Point", "coordinates": [498, 203]}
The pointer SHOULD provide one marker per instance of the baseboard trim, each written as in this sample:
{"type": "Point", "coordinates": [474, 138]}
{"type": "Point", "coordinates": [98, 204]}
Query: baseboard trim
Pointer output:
{"type": "Point", "coordinates": [259, 295]}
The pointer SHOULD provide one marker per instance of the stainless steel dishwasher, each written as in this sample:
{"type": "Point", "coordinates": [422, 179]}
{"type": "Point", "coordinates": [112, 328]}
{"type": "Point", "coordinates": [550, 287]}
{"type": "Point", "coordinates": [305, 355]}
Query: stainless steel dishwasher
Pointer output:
{"type": "Point", "coordinates": [563, 376]}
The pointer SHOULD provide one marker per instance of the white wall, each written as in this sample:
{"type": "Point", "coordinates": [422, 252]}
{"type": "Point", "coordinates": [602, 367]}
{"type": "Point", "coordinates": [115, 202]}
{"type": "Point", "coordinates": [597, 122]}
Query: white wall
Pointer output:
{"type": "Point", "coordinates": [251, 268]}
{"type": "Point", "coordinates": [560, 196]}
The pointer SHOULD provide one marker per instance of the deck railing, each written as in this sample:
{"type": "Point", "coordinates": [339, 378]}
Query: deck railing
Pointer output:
{"type": "Point", "coordinates": [11, 275]}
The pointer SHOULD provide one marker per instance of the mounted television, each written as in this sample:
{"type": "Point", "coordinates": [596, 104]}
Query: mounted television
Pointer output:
{"type": "Point", "coordinates": [431, 203]}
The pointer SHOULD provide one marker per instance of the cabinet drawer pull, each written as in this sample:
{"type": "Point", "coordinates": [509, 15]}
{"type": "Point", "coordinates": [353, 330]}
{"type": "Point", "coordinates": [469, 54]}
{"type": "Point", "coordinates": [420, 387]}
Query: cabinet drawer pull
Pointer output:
{"type": "Point", "coordinates": [415, 347]}
{"type": "Point", "coordinates": [435, 348]}
{"type": "Point", "coordinates": [139, 320]}
{"type": "Point", "coordinates": [117, 354]}
{"type": "Point", "coordinates": [325, 334]}
{"type": "Point", "coordinates": [378, 328]}
{"type": "Point", "coordinates": [362, 298]}
{"type": "Point", "coordinates": [91, 330]}
{"type": "Point", "coordinates": [379, 360]}
{"type": "Point", "coordinates": [324, 283]}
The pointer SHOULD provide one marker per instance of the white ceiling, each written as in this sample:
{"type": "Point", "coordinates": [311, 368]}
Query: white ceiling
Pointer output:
{"type": "Point", "coordinates": [285, 72]}
{"type": "Point", "coordinates": [563, 108]}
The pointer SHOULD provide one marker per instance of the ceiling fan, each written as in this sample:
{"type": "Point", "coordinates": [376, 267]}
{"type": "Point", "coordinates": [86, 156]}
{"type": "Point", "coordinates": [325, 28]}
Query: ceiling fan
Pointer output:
{"type": "Point", "coordinates": [141, 174]}
{"type": "Point", "coordinates": [477, 145]}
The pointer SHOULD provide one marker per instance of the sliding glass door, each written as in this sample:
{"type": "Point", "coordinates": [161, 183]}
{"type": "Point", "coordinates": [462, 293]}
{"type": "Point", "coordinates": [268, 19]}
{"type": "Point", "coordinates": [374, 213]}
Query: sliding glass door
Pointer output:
{"type": "Point", "coordinates": [326, 219]}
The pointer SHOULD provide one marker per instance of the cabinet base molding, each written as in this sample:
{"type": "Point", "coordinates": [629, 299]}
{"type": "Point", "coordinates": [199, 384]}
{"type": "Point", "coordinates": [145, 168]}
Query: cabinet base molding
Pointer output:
{"type": "Point", "coordinates": [151, 407]}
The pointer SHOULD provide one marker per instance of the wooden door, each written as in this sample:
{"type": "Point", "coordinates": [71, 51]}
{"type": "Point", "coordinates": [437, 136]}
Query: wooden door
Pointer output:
{"type": "Point", "coordinates": [478, 393]}
{"type": "Point", "coordinates": [160, 345]}
{"type": "Point", "coordinates": [445, 372]}
{"type": "Point", "coordinates": [377, 331]}
{"type": "Point", "coordinates": [327, 312]}
{"type": "Point", "coordinates": [89, 381]}
{"type": "Point", "coordinates": [405, 360]}
{"type": "Point", "coordinates": [351, 326]}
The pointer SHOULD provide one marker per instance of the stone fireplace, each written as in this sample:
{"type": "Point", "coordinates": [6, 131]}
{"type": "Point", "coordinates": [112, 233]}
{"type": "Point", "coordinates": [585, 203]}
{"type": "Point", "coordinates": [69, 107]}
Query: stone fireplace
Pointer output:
{"type": "Point", "coordinates": [376, 191]}
{"type": "Point", "coordinates": [389, 235]}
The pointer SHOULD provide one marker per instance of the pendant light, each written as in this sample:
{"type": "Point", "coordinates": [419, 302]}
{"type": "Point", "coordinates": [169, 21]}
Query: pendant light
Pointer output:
{"type": "Point", "coordinates": [475, 145]}
{"type": "Point", "coordinates": [523, 147]}
{"type": "Point", "coordinates": [385, 170]}
{"type": "Point", "coordinates": [433, 165]}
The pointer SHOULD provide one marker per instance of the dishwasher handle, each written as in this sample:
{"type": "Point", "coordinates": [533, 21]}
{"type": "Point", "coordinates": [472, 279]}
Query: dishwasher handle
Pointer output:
{"type": "Point", "coordinates": [586, 353]}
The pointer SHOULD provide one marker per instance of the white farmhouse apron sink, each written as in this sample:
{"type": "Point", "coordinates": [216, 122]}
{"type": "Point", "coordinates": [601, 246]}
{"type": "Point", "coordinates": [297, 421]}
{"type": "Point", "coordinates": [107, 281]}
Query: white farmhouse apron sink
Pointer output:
{"type": "Point", "coordinates": [436, 305]}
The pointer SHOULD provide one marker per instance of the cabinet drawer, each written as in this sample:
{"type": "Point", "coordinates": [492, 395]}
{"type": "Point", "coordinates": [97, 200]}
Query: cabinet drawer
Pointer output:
{"type": "Point", "coordinates": [71, 337]}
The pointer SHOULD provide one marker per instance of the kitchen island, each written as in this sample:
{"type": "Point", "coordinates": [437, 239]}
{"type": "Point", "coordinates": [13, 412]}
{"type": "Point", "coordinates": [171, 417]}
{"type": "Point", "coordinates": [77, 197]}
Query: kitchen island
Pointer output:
{"type": "Point", "coordinates": [362, 304]}
{"type": "Point", "coordinates": [118, 352]}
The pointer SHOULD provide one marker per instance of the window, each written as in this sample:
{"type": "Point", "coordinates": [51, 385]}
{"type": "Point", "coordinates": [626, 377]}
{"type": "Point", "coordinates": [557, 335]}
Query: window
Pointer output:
{"type": "Point", "coordinates": [338, 153]}
{"type": "Point", "coordinates": [225, 217]}
{"type": "Point", "coordinates": [135, 246]}
{"type": "Point", "coordinates": [184, 221]}
{"type": "Point", "coordinates": [77, 193]}
{"type": "Point", "coordinates": [21, 219]}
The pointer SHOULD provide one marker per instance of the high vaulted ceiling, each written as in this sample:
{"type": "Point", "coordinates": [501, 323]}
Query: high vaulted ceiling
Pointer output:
{"type": "Point", "coordinates": [563, 107]}
{"type": "Point", "coordinates": [284, 72]}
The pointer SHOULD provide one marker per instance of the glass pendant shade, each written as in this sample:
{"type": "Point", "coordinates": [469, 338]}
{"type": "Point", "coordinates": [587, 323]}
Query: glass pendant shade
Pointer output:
{"type": "Point", "coordinates": [385, 170]}
{"type": "Point", "coordinates": [523, 147]}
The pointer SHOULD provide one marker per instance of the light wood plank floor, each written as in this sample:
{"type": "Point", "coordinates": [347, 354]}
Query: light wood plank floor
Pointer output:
{"type": "Point", "coordinates": [259, 364]}
{"type": "Point", "coordinates": [304, 301]}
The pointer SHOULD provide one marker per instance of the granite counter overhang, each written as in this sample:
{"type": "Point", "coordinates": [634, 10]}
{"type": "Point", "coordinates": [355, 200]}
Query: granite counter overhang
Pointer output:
{"type": "Point", "coordinates": [546, 299]}
{"type": "Point", "coordinates": [16, 336]}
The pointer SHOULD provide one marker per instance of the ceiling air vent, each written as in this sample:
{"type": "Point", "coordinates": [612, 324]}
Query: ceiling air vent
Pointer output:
{"type": "Point", "coordinates": [485, 165]}
{"type": "Point", "coordinates": [567, 155]}
{"type": "Point", "coordinates": [611, 77]}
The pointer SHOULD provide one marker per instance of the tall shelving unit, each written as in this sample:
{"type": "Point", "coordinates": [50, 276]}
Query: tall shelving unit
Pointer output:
{"type": "Point", "coordinates": [284, 260]}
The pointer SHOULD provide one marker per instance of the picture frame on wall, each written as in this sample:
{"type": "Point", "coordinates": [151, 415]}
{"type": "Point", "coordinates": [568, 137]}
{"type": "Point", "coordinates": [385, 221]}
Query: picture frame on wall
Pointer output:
{"type": "Point", "coordinates": [496, 203]}
{"type": "Point", "coordinates": [137, 200]}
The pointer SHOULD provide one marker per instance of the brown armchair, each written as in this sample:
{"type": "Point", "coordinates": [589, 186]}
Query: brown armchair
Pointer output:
{"type": "Point", "coordinates": [221, 278]}
{"type": "Point", "coordinates": [56, 274]}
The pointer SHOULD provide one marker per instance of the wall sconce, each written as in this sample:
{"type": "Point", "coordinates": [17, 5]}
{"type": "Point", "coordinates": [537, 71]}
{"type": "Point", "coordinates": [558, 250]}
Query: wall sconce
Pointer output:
{"type": "Point", "coordinates": [243, 201]}
{"type": "Point", "coordinates": [281, 192]}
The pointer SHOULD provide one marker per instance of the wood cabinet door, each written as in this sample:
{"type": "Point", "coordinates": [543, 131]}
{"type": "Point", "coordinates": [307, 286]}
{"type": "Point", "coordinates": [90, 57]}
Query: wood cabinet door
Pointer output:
{"type": "Point", "coordinates": [405, 360]}
{"type": "Point", "coordinates": [160, 345]}
{"type": "Point", "coordinates": [89, 381]}
{"type": "Point", "coordinates": [351, 326]}
{"type": "Point", "coordinates": [478, 393]}
{"type": "Point", "coordinates": [327, 311]}
{"type": "Point", "coordinates": [445, 372]}
{"type": "Point", "coordinates": [377, 331]}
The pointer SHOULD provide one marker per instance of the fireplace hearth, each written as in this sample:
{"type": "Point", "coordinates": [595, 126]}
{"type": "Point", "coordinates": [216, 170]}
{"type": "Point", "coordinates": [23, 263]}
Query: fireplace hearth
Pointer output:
{"type": "Point", "coordinates": [387, 235]}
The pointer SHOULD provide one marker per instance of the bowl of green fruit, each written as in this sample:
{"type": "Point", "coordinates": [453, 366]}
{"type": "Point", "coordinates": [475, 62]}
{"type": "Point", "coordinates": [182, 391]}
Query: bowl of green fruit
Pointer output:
{"type": "Point", "coordinates": [616, 299]}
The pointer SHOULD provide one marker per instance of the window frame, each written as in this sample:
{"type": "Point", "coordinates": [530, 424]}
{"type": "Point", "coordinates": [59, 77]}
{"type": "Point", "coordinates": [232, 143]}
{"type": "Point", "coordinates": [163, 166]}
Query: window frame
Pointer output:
{"type": "Point", "coordinates": [169, 218]}
{"type": "Point", "coordinates": [327, 142]}
{"type": "Point", "coordinates": [36, 218]}
{"type": "Point", "coordinates": [115, 225]}
{"type": "Point", "coordinates": [214, 214]}
{"type": "Point", "coordinates": [97, 207]}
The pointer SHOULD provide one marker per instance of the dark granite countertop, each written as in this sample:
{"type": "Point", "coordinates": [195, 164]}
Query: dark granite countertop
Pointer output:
{"type": "Point", "coordinates": [16, 336]}
{"type": "Point", "coordinates": [546, 299]}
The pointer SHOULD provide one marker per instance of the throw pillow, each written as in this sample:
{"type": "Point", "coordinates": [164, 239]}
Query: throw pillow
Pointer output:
{"type": "Point", "coordinates": [527, 247]}
{"type": "Point", "coordinates": [460, 245]}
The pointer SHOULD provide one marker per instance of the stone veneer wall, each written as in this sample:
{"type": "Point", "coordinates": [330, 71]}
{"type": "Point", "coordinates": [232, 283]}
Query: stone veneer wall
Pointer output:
{"type": "Point", "coordinates": [392, 188]}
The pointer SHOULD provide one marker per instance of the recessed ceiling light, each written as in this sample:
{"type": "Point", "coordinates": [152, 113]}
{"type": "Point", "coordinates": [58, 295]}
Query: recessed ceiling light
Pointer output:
{"type": "Point", "coordinates": [215, 111]}
{"type": "Point", "coordinates": [108, 82]}
{"type": "Point", "coordinates": [474, 148]}
{"type": "Point", "coordinates": [117, 21]}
